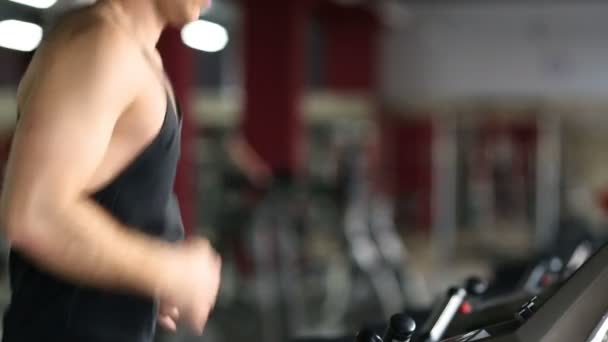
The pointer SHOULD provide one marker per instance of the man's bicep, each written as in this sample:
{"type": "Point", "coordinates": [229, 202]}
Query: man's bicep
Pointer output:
{"type": "Point", "coordinates": [58, 151]}
{"type": "Point", "coordinates": [63, 134]}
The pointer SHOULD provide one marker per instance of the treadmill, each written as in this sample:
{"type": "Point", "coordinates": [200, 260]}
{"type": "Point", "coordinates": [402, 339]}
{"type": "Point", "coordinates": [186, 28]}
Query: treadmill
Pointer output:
{"type": "Point", "coordinates": [575, 312]}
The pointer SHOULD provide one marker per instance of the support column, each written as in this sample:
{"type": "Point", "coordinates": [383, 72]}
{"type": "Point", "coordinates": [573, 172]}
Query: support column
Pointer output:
{"type": "Point", "coordinates": [352, 48]}
{"type": "Point", "coordinates": [352, 34]}
{"type": "Point", "coordinates": [273, 53]}
{"type": "Point", "coordinates": [548, 191]}
{"type": "Point", "coordinates": [274, 56]}
{"type": "Point", "coordinates": [444, 177]}
{"type": "Point", "coordinates": [409, 153]}
{"type": "Point", "coordinates": [179, 64]}
{"type": "Point", "coordinates": [351, 67]}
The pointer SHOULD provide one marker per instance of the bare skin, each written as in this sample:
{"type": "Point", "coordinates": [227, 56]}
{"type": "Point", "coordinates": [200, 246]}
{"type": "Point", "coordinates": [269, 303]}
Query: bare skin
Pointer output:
{"type": "Point", "coordinates": [89, 103]}
{"type": "Point", "coordinates": [249, 161]}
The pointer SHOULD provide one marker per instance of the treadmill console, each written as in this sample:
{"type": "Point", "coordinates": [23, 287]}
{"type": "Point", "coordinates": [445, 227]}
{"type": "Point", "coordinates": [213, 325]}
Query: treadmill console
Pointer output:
{"type": "Point", "coordinates": [576, 311]}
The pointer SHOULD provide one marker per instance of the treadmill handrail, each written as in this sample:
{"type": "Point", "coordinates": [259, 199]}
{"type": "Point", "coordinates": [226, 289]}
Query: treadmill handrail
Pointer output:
{"type": "Point", "coordinates": [600, 331]}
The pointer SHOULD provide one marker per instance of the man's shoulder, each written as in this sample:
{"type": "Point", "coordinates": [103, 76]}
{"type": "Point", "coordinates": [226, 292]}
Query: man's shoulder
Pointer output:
{"type": "Point", "coordinates": [90, 35]}
{"type": "Point", "coordinates": [82, 56]}
{"type": "Point", "coordinates": [87, 48]}
{"type": "Point", "coordinates": [85, 39]}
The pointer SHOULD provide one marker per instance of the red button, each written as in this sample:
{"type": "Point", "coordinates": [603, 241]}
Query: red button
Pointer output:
{"type": "Point", "coordinates": [466, 308]}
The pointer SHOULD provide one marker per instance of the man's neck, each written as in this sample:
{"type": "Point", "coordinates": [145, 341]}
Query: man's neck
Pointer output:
{"type": "Point", "coordinates": [143, 19]}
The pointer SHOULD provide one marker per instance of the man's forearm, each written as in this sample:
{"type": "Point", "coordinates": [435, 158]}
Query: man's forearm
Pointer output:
{"type": "Point", "coordinates": [85, 245]}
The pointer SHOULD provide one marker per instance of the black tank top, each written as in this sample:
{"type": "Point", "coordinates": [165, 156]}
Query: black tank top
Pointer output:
{"type": "Point", "coordinates": [46, 308]}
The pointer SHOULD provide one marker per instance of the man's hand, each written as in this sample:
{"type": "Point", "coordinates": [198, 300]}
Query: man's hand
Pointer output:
{"type": "Point", "coordinates": [191, 287]}
{"type": "Point", "coordinates": [168, 316]}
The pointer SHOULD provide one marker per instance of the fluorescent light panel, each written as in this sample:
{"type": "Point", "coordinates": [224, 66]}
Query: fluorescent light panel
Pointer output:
{"type": "Point", "coordinates": [205, 36]}
{"type": "Point", "coordinates": [42, 4]}
{"type": "Point", "coordinates": [20, 35]}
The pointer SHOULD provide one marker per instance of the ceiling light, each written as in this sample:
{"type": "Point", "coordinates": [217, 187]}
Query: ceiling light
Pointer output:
{"type": "Point", "coordinates": [205, 36]}
{"type": "Point", "coordinates": [20, 35]}
{"type": "Point", "coordinates": [36, 3]}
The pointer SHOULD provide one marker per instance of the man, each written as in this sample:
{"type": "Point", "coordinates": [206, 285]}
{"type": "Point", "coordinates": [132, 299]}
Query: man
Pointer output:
{"type": "Point", "coordinates": [87, 202]}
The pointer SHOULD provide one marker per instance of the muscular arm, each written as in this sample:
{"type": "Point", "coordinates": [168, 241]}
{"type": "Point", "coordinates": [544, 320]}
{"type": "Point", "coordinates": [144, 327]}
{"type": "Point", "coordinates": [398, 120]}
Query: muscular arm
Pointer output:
{"type": "Point", "coordinates": [65, 128]}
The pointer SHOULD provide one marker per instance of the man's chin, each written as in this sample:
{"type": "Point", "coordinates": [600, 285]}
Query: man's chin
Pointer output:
{"type": "Point", "coordinates": [206, 6]}
{"type": "Point", "coordinates": [185, 21]}
{"type": "Point", "coordinates": [195, 16]}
